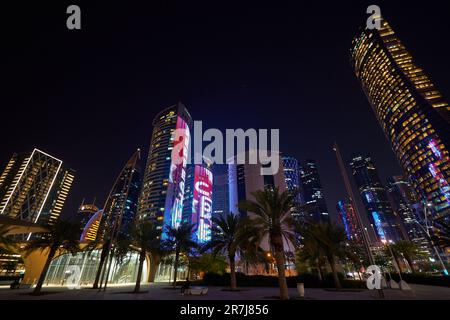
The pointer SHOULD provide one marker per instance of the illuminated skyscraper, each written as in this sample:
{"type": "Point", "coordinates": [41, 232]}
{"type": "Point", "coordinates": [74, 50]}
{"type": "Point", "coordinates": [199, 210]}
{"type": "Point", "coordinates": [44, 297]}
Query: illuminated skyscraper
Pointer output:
{"type": "Point", "coordinates": [349, 220]}
{"type": "Point", "coordinates": [312, 193]}
{"type": "Point", "coordinates": [412, 113]}
{"type": "Point", "coordinates": [220, 195]}
{"type": "Point", "coordinates": [292, 177]}
{"type": "Point", "coordinates": [374, 197]}
{"type": "Point", "coordinates": [121, 205]}
{"type": "Point", "coordinates": [34, 187]}
{"type": "Point", "coordinates": [198, 202]}
{"type": "Point", "coordinates": [162, 196]}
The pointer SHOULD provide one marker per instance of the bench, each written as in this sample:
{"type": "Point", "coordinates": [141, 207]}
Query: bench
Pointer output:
{"type": "Point", "coordinates": [197, 291]}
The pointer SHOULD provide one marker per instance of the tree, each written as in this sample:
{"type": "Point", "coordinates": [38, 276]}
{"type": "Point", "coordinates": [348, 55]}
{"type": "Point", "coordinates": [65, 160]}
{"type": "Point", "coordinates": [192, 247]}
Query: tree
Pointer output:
{"type": "Point", "coordinates": [145, 237]}
{"type": "Point", "coordinates": [228, 239]}
{"type": "Point", "coordinates": [272, 218]}
{"type": "Point", "coordinates": [311, 253]}
{"type": "Point", "coordinates": [62, 237]}
{"type": "Point", "coordinates": [7, 244]}
{"type": "Point", "coordinates": [331, 239]}
{"type": "Point", "coordinates": [179, 240]}
{"type": "Point", "coordinates": [408, 250]}
{"type": "Point", "coordinates": [208, 263]}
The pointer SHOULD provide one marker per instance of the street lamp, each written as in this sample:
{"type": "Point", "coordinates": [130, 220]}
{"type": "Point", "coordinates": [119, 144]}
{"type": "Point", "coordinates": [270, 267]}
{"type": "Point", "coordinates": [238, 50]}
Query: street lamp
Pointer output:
{"type": "Point", "coordinates": [426, 229]}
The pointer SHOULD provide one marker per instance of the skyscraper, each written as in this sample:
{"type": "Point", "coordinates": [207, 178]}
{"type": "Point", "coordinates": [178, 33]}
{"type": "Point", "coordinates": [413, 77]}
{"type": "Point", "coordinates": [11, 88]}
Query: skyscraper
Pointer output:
{"type": "Point", "coordinates": [198, 202]}
{"type": "Point", "coordinates": [121, 205]}
{"type": "Point", "coordinates": [162, 196]}
{"type": "Point", "coordinates": [292, 177]}
{"type": "Point", "coordinates": [407, 205]}
{"type": "Point", "coordinates": [312, 193]}
{"type": "Point", "coordinates": [349, 220]}
{"type": "Point", "coordinates": [34, 187]}
{"type": "Point", "coordinates": [411, 111]}
{"type": "Point", "coordinates": [375, 200]}
{"type": "Point", "coordinates": [220, 195]}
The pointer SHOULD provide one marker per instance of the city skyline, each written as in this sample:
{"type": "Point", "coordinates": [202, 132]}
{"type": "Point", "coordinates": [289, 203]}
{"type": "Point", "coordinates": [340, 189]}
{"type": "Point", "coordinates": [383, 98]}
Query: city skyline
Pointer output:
{"type": "Point", "coordinates": [315, 144]}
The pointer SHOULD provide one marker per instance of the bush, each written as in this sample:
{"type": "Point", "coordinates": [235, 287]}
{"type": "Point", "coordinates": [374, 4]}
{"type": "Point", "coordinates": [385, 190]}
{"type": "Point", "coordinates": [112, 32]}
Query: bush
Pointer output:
{"type": "Point", "coordinates": [423, 278]}
{"type": "Point", "coordinates": [310, 281]}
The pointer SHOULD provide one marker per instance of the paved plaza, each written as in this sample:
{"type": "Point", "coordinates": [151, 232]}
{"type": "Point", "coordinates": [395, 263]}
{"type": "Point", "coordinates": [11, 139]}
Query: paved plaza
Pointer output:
{"type": "Point", "coordinates": [162, 291]}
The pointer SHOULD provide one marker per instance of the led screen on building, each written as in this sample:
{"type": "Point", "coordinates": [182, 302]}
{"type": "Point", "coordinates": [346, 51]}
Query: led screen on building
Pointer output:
{"type": "Point", "coordinates": [202, 204]}
{"type": "Point", "coordinates": [173, 208]}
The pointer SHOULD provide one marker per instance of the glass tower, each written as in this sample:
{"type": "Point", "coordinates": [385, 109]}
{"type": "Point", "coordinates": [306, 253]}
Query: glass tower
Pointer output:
{"type": "Point", "coordinates": [162, 195]}
{"type": "Point", "coordinates": [411, 111]}
{"type": "Point", "coordinates": [374, 197]}
{"type": "Point", "coordinates": [121, 206]}
{"type": "Point", "coordinates": [292, 177]}
{"type": "Point", "coordinates": [34, 187]}
{"type": "Point", "coordinates": [312, 193]}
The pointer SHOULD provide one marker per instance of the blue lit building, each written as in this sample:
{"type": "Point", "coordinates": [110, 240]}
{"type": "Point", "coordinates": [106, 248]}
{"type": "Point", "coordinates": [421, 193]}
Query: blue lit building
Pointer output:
{"type": "Point", "coordinates": [292, 177]}
{"type": "Point", "coordinates": [374, 197]}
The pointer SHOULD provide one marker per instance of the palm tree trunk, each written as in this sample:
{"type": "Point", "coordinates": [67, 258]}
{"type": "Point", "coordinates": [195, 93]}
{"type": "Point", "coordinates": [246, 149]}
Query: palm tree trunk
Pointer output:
{"type": "Point", "coordinates": [177, 258]}
{"type": "Point", "coordinates": [154, 261]}
{"type": "Point", "coordinates": [100, 266]}
{"type": "Point", "coordinates": [409, 260]}
{"type": "Point", "coordinates": [232, 271]}
{"type": "Point", "coordinates": [139, 275]}
{"type": "Point", "coordinates": [332, 263]}
{"type": "Point", "coordinates": [279, 258]}
{"type": "Point", "coordinates": [41, 280]}
{"type": "Point", "coordinates": [319, 269]}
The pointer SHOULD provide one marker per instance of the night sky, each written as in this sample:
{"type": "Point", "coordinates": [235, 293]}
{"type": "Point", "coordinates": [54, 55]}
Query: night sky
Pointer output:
{"type": "Point", "coordinates": [88, 97]}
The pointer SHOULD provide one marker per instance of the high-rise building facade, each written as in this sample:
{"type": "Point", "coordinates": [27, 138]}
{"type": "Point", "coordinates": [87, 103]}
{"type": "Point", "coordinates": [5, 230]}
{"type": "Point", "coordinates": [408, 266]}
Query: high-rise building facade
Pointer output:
{"type": "Point", "coordinates": [121, 205]}
{"type": "Point", "coordinates": [291, 172]}
{"type": "Point", "coordinates": [220, 195]}
{"type": "Point", "coordinates": [411, 111]}
{"type": "Point", "coordinates": [312, 193]}
{"type": "Point", "coordinates": [347, 215]}
{"type": "Point", "coordinates": [198, 202]}
{"type": "Point", "coordinates": [34, 187]}
{"type": "Point", "coordinates": [407, 205]}
{"type": "Point", "coordinates": [162, 195]}
{"type": "Point", "coordinates": [374, 197]}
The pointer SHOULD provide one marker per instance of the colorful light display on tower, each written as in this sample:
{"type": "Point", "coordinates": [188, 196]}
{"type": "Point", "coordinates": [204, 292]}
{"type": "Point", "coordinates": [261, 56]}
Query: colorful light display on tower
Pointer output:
{"type": "Point", "coordinates": [202, 204]}
{"type": "Point", "coordinates": [175, 191]}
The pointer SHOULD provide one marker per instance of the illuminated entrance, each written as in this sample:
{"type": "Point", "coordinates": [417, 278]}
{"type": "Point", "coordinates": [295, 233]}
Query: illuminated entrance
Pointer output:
{"type": "Point", "coordinates": [121, 272]}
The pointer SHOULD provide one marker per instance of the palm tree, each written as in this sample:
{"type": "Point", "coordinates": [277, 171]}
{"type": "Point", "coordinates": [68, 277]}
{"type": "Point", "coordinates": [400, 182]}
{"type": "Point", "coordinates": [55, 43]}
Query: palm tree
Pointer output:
{"type": "Point", "coordinates": [312, 254]}
{"type": "Point", "coordinates": [228, 239]}
{"type": "Point", "coordinates": [180, 241]}
{"type": "Point", "coordinates": [7, 244]}
{"type": "Point", "coordinates": [331, 239]}
{"type": "Point", "coordinates": [146, 238]}
{"type": "Point", "coordinates": [62, 237]}
{"type": "Point", "coordinates": [272, 218]}
{"type": "Point", "coordinates": [408, 250]}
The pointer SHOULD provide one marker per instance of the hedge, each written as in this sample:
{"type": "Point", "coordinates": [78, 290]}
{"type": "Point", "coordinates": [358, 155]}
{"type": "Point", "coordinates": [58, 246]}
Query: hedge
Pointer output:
{"type": "Point", "coordinates": [423, 278]}
{"type": "Point", "coordinates": [310, 281]}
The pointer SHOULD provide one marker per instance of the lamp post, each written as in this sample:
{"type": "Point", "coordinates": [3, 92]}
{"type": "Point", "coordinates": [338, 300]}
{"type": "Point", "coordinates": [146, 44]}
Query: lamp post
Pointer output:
{"type": "Point", "coordinates": [426, 229]}
{"type": "Point", "coordinates": [351, 198]}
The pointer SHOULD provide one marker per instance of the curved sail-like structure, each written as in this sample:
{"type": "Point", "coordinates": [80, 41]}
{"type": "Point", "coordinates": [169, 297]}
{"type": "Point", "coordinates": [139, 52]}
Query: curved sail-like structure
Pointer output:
{"type": "Point", "coordinates": [121, 206]}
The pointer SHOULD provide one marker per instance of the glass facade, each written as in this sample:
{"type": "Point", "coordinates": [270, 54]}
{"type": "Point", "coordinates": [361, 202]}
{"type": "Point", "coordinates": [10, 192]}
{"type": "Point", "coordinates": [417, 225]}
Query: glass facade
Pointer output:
{"type": "Point", "coordinates": [121, 205]}
{"type": "Point", "coordinates": [62, 269]}
{"type": "Point", "coordinates": [292, 177]}
{"type": "Point", "coordinates": [411, 111]}
{"type": "Point", "coordinates": [162, 195]}
{"type": "Point", "coordinates": [34, 187]}
{"type": "Point", "coordinates": [375, 200]}
{"type": "Point", "coordinates": [312, 193]}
